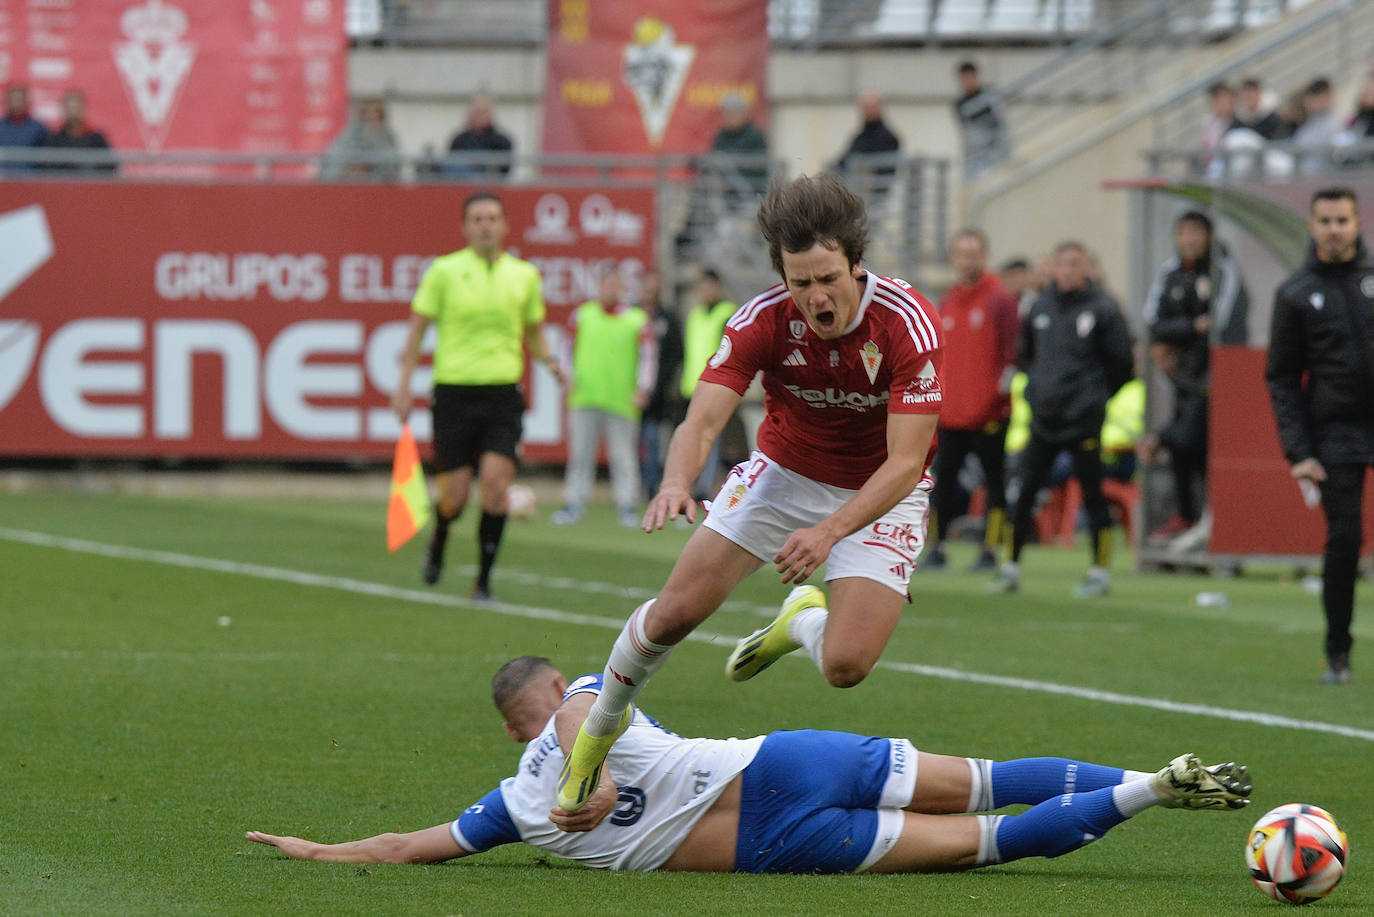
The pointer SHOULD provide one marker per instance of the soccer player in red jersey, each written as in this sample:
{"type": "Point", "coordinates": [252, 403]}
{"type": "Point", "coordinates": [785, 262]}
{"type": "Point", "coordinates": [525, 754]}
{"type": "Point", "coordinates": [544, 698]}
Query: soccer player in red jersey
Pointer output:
{"type": "Point", "coordinates": [851, 370]}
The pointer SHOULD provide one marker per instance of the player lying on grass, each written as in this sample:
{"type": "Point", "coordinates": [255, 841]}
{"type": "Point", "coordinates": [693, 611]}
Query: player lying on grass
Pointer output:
{"type": "Point", "coordinates": [761, 804]}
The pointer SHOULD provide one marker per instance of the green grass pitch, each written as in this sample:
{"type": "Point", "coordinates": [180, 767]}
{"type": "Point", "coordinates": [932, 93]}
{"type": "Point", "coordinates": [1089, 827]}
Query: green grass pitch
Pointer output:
{"type": "Point", "coordinates": [139, 739]}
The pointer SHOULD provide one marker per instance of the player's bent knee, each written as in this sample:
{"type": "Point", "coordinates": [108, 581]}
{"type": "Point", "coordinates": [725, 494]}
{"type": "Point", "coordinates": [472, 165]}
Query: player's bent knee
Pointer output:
{"type": "Point", "coordinates": [846, 673]}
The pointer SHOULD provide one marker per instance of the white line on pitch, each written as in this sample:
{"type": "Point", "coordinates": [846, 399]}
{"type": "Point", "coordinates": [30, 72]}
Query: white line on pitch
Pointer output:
{"type": "Point", "coordinates": [381, 590]}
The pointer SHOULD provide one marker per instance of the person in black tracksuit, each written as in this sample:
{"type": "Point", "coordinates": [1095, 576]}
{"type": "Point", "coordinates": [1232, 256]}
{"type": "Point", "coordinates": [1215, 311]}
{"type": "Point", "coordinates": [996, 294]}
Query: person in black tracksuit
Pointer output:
{"type": "Point", "coordinates": [1076, 352]}
{"type": "Point", "coordinates": [1196, 291]}
{"type": "Point", "coordinates": [1323, 327]}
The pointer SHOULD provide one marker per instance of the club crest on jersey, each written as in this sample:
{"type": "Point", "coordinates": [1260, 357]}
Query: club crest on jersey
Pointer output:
{"type": "Point", "coordinates": [798, 329]}
{"type": "Point", "coordinates": [721, 355]}
{"type": "Point", "coordinates": [1367, 286]}
{"type": "Point", "coordinates": [834, 358]}
{"type": "Point", "coordinates": [873, 358]}
{"type": "Point", "coordinates": [1317, 300]}
{"type": "Point", "coordinates": [1086, 322]}
{"type": "Point", "coordinates": [1203, 287]}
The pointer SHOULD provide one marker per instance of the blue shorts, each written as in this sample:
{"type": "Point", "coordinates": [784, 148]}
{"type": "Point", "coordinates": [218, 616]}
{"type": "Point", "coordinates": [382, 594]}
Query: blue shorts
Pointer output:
{"type": "Point", "coordinates": [815, 801]}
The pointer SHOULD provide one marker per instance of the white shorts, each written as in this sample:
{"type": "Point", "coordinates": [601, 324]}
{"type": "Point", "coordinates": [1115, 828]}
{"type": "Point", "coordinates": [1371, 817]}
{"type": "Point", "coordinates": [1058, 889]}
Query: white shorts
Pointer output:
{"type": "Point", "coordinates": [761, 503]}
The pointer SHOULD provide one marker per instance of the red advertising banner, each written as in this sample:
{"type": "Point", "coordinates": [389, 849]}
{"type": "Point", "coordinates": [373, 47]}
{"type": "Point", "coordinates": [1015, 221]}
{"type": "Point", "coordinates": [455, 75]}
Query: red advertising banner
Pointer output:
{"type": "Point", "coordinates": [1257, 509]}
{"type": "Point", "coordinates": [258, 321]}
{"type": "Point", "coordinates": [648, 76]}
{"type": "Point", "coordinates": [233, 75]}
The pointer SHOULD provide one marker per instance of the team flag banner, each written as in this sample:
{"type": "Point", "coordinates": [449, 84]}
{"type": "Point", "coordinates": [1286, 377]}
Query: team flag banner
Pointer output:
{"type": "Point", "coordinates": [254, 76]}
{"type": "Point", "coordinates": [408, 509]}
{"type": "Point", "coordinates": [261, 321]}
{"type": "Point", "coordinates": [648, 76]}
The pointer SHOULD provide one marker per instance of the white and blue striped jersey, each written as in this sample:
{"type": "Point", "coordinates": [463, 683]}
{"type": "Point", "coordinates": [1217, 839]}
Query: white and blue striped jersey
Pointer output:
{"type": "Point", "coordinates": [666, 784]}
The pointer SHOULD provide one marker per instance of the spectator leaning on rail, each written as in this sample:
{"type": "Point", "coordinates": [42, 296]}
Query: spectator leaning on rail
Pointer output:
{"type": "Point", "coordinates": [1321, 383]}
{"type": "Point", "coordinates": [1198, 297]}
{"type": "Point", "coordinates": [479, 136]}
{"type": "Point", "coordinates": [19, 129]}
{"type": "Point", "coordinates": [1252, 113]}
{"type": "Point", "coordinates": [365, 149]}
{"type": "Point", "coordinates": [741, 146]}
{"type": "Point", "coordinates": [982, 122]}
{"type": "Point", "coordinates": [869, 164]}
{"type": "Point", "coordinates": [1319, 129]}
{"type": "Point", "coordinates": [75, 133]}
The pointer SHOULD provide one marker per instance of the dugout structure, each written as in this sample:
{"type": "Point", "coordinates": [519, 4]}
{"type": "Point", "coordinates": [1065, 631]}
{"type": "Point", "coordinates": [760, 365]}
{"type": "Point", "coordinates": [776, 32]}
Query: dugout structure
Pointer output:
{"type": "Point", "coordinates": [1257, 510]}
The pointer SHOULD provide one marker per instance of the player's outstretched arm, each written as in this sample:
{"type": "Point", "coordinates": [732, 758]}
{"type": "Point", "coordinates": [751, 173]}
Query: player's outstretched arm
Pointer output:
{"type": "Point", "coordinates": [711, 406]}
{"type": "Point", "coordinates": [431, 845]}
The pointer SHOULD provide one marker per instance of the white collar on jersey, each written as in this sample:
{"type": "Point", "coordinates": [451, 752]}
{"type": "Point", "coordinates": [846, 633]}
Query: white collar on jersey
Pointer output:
{"type": "Point", "coordinates": [870, 284]}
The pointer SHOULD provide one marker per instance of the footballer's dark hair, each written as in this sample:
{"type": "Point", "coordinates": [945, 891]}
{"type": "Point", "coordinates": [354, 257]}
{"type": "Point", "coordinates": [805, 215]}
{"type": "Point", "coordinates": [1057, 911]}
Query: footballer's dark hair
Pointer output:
{"type": "Point", "coordinates": [1334, 193]}
{"type": "Point", "coordinates": [478, 196]}
{"type": "Point", "coordinates": [797, 214]}
{"type": "Point", "coordinates": [512, 678]}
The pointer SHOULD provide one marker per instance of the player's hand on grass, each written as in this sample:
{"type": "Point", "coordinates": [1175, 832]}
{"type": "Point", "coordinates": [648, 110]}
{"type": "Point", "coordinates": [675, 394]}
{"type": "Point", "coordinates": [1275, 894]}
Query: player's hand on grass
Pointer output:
{"type": "Point", "coordinates": [803, 553]}
{"type": "Point", "coordinates": [1309, 469]}
{"type": "Point", "coordinates": [601, 804]}
{"type": "Point", "coordinates": [294, 847]}
{"type": "Point", "coordinates": [666, 506]}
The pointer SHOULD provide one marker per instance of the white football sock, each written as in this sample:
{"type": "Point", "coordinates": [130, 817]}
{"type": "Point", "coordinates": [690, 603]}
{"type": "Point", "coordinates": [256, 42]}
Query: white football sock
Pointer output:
{"type": "Point", "coordinates": [634, 658]}
{"type": "Point", "coordinates": [1133, 797]}
{"type": "Point", "coordinates": [807, 628]}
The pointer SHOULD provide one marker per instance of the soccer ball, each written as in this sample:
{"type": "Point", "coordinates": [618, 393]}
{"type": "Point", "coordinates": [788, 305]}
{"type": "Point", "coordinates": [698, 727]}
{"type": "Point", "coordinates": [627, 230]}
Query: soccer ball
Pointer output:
{"type": "Point", "coordinates": [520, 501]}
{"type": "Point", "coordinates": [1297, 853]}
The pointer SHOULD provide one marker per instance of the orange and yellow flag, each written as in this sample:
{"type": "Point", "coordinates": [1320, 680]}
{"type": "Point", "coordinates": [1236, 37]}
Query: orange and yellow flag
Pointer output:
{"type": "Point", "coordinates": [408, 509]}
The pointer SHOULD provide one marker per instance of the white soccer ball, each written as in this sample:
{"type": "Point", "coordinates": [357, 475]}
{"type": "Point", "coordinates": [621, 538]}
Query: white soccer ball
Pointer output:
{"type": "Point", "coordinates": [521, 502]}
{"type": "Point", "coordinates": [1297, 853]}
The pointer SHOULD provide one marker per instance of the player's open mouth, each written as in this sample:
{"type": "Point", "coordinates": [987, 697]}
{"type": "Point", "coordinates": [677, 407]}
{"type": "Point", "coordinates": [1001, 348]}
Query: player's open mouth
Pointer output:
{"type": "Point", "coordinates": [824, 319]}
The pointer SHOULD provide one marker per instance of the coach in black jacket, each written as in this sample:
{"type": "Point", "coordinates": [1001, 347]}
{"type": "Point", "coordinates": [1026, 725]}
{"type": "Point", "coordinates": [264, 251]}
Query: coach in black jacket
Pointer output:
{"type": "Point", "coordinates": [1076, 352]}
{"type": "Point", "coordinates": [1323, 325]}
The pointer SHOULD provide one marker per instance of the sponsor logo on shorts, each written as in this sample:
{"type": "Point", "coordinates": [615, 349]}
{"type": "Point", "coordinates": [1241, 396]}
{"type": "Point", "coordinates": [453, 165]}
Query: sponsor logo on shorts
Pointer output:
{"type": "Point", "coordinates": [902, 540]}
{"type": "Point", "coordinates": [898, 570]}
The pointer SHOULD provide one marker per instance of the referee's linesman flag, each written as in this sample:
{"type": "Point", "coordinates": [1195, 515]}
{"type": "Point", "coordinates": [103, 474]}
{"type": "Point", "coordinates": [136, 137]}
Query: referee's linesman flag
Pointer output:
{"type": "Point", "coordinates": [408, 509]}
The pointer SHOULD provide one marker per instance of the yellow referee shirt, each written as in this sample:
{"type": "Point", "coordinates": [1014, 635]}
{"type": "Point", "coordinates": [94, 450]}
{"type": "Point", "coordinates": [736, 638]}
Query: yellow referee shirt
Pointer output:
{"type": "Point", "coordinates": [481, 311]}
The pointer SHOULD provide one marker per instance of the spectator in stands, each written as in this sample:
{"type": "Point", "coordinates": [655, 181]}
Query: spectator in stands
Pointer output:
{"type": "Point", "coordinates": [1221, 104]}
{"type": "Point", "coordinates": [1076, 352]}
{"type": "Point", "coordinates": [1019, 279]}
{"type": "Point", "coordinates": [1319, 129]}
{"type": "Point", "coordinates": [1252, 113]}
{"type": "Point", "coordinates": [701, 335]}
{"type": "Point", "coordinates": [1198, 297]}
{"type": "Point", "coordinates": [982, 122]}
{"type": "Point", "coordinates": [479, 136]}
{"type": "Point", "coordinates": [980, 322]}
{"type": "Point", "coordinates": [75, 133]}
{"type": "Point", "coordinates": [742, 146]}
{"type": "Point", "coordinates": [611, 376]}
{"type": "Point", "coordinates": [869, 163]}
{"type": "Point", "coordinates": [19, 128]}
{"type": "Point", "coordinates": [1360, 128]}
{"type": "Point", "coordinates": [665, 407]}
{"type": "Point", "coordinates": [365, 149]}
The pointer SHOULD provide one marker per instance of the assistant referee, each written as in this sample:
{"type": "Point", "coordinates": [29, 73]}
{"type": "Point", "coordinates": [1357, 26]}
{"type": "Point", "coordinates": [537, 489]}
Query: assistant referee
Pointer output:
{"type": "Point", "coordinates": [488, 307]}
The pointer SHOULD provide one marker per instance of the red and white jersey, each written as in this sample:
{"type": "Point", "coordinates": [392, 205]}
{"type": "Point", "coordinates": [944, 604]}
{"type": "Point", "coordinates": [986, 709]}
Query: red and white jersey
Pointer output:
{"type": "Point", "coordinates": [827, 401]}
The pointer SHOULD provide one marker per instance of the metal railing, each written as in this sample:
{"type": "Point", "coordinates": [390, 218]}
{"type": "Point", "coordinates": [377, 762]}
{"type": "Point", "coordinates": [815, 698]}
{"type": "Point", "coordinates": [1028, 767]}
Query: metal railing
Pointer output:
{"type": "Point", "coordinates": [1274, 161]}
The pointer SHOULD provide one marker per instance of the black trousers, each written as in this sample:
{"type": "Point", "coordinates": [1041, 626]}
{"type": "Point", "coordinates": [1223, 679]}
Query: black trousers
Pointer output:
{"type": "Point", "coordinates": [990, 446]}
{"type": "Point", "coordinates": [1342, 501]}
{"type": "Point", "coordinates": [1035, 471]}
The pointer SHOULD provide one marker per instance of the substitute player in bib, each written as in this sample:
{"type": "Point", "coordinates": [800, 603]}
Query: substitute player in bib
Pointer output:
{"type": "Point", "coordinates": [488, 306]}
{"type": "Point", "coordinates": [759, 805]}
{"type": "Point", "coordinates": [851, 372]}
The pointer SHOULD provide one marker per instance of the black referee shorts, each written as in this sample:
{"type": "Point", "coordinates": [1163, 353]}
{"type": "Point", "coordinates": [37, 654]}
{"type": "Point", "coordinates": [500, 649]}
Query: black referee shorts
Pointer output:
{"type": "Point", "coordinates": [472, 419]}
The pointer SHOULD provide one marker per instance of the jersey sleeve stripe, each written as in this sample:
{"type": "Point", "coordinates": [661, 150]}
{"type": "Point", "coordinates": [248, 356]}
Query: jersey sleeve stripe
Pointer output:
{"type": "Point", "coordinates": [918, 325]}
{"type": "Point", "coordinates": [754, 307]}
